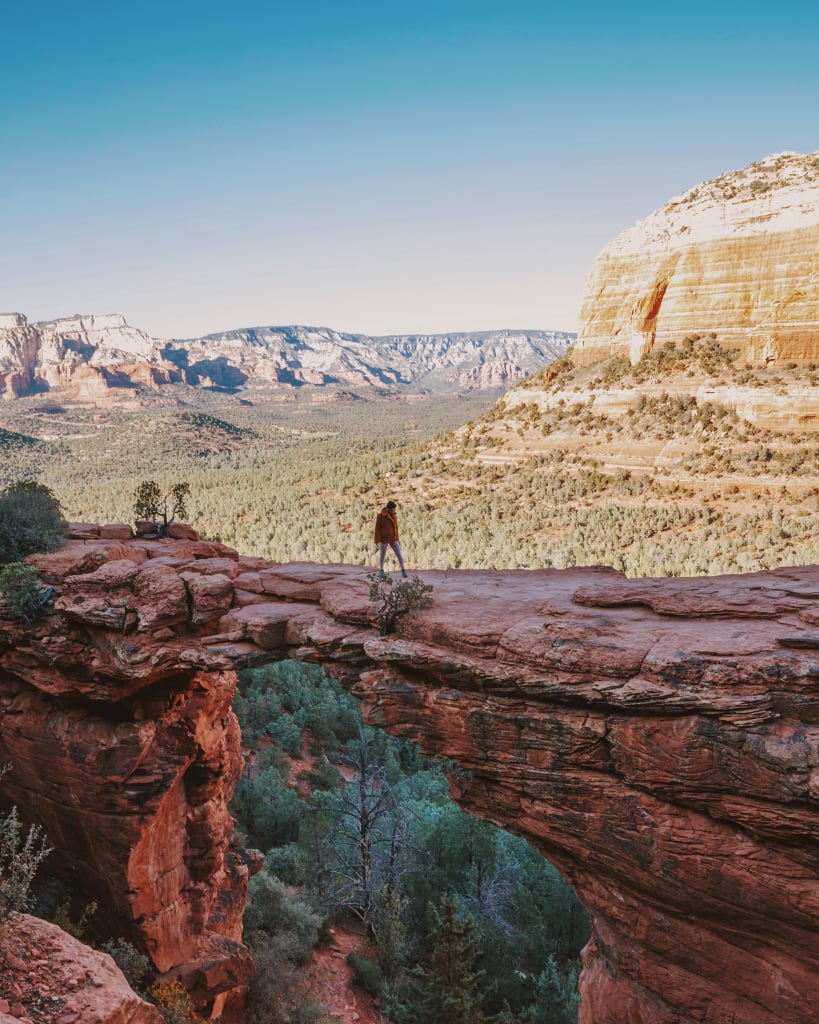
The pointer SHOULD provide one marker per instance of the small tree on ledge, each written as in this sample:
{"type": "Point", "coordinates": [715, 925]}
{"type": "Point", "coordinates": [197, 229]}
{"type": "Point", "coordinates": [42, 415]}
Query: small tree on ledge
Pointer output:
{"type": "Point", "coordinates": [397, 598]}
{"type": "Point", "coordinates": [151, 505]}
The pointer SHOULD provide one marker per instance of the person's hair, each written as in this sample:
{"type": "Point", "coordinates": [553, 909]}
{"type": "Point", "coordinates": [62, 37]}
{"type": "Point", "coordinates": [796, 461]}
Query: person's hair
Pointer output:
{"type": "Point", "coordinates": [390, 504]}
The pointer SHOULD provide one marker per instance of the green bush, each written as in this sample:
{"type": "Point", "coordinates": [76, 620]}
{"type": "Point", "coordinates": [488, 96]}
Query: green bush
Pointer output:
{"type": "Point", "coordinates": [19, 589]}
{"type": "Point", "coordinates": [62, 917]}
{"type": "Point", "coordinates": [133, 964]}
{"type": "Point", "coordinates": [30, 521]}
{"type": "Point", "coordinates": [367, 973]}
{"type": "Point", "coordinates": [279, 910]}
{"type": "Point", "coordinates": [279, 991]}
{"type": "Point", "coordinates": [324, 775]}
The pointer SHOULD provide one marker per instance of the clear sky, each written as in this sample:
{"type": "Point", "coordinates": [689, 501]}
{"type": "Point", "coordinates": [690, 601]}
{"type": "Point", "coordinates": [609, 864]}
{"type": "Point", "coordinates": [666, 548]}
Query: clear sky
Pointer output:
{"type": "Point", "coordinates": [383, 167]}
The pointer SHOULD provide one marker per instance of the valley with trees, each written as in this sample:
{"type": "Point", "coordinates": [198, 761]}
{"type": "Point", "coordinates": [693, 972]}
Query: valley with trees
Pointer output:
{"type": "Point", "coordinates": [650, 469]}
{"type": "Point", "coordinates": [457, 920]}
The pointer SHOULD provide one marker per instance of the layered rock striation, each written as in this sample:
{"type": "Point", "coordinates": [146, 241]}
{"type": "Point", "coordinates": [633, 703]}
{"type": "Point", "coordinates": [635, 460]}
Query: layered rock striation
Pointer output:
{"type": "Point", "coordinates": [737, 256]}
{"type": "Point", "coordinates": [657, 740]}
{"type": "Point", "coordinates": [86, 356]}
{"type": "Point", "coordinates": [81, 355]}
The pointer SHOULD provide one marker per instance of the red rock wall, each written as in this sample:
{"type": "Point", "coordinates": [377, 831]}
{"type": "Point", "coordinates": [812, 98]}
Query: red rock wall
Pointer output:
{"type": "Point", "coordinates": [131, 781]}
{"type": "Point", "coordinates": [657, 740]}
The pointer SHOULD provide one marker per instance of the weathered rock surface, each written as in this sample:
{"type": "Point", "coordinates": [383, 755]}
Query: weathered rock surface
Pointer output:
{"type": "Point", "coordinates": [657, 740]}
{"type": "Point", "coordinates": [738, 256]}
{"type": "Point", "coordinates": [88, 356]}
{"type": "Point", "coordinates": [48, 975]}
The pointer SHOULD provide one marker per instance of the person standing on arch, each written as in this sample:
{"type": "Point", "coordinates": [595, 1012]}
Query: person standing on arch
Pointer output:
{"type": "Point", "coordinates": [386, 536]}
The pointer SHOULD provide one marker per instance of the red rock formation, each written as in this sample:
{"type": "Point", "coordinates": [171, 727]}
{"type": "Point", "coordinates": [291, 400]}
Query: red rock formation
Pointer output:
{"type": "Point", "coordinates": [655, 739]}
{"type": "Point", "coordinates": [47, 975]}
{"type": "Point", "coordinates": [127, 752]}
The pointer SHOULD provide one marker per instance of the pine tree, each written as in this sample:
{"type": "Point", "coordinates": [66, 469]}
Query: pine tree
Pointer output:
{"type": "Point", "coordinates": [449, 990]}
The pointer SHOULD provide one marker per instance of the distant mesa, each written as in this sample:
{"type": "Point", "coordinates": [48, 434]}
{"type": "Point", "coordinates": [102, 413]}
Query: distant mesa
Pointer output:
{"type": "Point", "coordinates": [738, 256]}
{"type": "Point", "coordinates": [89, 357]}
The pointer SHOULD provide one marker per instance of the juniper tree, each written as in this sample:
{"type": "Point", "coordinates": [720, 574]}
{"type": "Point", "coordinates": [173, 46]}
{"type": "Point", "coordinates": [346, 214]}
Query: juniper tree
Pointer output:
{"type": "Point", "coordinates": [450, 989]}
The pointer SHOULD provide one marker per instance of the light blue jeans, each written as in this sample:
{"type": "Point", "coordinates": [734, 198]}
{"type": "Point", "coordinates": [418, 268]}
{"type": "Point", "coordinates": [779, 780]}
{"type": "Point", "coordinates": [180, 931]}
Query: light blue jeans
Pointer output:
{"type": "Point", "coordinates": [382, 552]}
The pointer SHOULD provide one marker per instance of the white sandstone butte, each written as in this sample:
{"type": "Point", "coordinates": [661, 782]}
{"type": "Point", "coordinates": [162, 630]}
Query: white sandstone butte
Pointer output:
{"type": "Point", "coordinates": [737, 256]}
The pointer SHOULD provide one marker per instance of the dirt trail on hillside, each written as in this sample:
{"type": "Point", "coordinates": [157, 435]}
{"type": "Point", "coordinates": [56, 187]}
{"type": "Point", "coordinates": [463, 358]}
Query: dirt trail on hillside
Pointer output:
{"type": "Point", "coordinates": [331, 980]}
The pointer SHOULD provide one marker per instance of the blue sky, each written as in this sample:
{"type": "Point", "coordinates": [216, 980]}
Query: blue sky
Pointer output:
{"type": "Point", "coordinates": [376, 167]}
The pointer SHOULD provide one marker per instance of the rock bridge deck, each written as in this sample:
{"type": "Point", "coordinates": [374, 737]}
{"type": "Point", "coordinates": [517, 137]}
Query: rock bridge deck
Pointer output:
{"type": "Point", "coordinates": [656, 739]}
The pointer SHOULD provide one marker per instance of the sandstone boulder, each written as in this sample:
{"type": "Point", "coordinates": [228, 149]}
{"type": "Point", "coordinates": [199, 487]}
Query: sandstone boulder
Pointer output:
{"type": "Point", "coordinates": [84, 985]}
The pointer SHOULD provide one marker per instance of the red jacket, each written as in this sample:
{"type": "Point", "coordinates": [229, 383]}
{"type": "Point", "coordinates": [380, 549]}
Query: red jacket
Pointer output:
{"type": "Point", "coordinates": [386, 526]}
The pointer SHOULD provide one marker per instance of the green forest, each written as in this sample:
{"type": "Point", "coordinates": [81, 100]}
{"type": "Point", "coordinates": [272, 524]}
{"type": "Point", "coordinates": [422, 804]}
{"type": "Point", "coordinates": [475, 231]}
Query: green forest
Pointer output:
{"type": "Point", "coordinates": [465, 922]}
{"type": "Point", "coordinates": [480, 482]}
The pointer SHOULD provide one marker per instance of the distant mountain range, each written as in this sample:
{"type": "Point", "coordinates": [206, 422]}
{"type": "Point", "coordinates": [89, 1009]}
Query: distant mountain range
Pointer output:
{"type": "Point", "coordinates": [84, 356]}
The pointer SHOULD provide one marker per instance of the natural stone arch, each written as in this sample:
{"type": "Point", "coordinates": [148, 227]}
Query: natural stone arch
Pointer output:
{"type": "Point", "coordinates": [655, 739]}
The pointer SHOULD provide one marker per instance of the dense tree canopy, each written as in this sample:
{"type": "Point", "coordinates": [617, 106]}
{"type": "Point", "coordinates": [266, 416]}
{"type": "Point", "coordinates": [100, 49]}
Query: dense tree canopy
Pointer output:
{"type": "Point", "coordinates": [362, 829]}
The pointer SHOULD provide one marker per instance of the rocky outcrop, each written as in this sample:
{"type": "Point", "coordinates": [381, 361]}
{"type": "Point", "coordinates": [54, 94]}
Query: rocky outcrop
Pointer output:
{"type": "Point", "coordinates": [48, 975]}
{"type": "Point", "coordinates": [128, 753]}
{"type": "Point", "coordinates": [495, 374]}
{"type": "Point", "coordinates": [655, 739]}
{"type": "Point", "coordinates": [84, 356]}
{"type": "Point", "coordinates": [736, 256]}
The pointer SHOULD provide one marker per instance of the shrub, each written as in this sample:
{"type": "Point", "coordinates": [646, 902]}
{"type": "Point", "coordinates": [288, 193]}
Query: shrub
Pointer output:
{"type": "Point", "coordinates": [63, 919]}
{"type": "Point", "coordinates": [30, 520]}
{"type": "Point", "coordinates": [151, 504]}
{"type": "Point", "coordinates": [367, 973]}
{"type": "Point", "coordinates": [173, 1002]}
{"type": "Point", "coordinates": [21, 853]}
{"type": "Point", "coordinates": [279, 911]}
{"type": "Point", "coordinates": [20, 590]}
{"type": "Point", "coordinates": [133, 964]}
{"type": "Point", "coordinates": [397, 598]}
{"type": "Point", "coordinates": [324, 775]}
{"type": "Point", "coordinates": [278, 993]}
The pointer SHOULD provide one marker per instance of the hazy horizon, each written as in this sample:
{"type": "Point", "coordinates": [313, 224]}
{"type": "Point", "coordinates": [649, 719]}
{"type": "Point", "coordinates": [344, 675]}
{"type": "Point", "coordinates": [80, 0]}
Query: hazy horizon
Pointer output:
{"type": "Point", "coordinates": [440, 169]}
{"type": "Point", "coordinates": [276, 326]}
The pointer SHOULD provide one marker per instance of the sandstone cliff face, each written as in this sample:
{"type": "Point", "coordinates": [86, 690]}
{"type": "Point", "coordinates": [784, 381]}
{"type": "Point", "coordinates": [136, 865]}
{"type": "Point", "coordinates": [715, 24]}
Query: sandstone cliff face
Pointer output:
{"type": "Point", "coordinates": [655, 739]}
{"type": "Point", "coordinates": [127, 753]}
{"type": "Point", "coordinates": [498, 374]}
{"type": "Point", "coordinates": [738, 256]}
{"type": "Point", "coordinates": [18, 352]}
